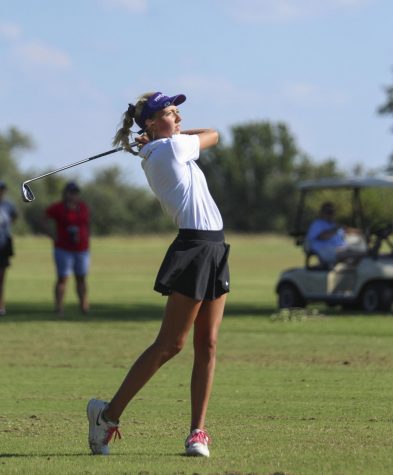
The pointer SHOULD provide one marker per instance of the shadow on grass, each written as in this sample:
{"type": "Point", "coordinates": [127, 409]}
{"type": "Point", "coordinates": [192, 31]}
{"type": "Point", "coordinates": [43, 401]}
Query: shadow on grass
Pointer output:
{"type": "Point", "coordinates": [25, 312]}
{"type": "Point", "coordinates": [54, 455]}
{"type": "Point", "coordinates": [46, 455]}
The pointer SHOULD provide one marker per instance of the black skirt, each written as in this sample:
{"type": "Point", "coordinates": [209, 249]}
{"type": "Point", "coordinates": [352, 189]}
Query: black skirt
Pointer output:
{"type": "Point", "coordinates": [6, 252]}
{"type": "Point", "coordinates": [195, 265]}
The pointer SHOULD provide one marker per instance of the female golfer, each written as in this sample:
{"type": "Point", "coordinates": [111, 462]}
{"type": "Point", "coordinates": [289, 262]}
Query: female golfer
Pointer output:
{"type": "Point", "coordinates": [194, 273]}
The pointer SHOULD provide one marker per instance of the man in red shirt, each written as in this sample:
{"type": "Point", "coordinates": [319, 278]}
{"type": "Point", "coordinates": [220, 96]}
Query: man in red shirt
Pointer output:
{"type": "Point", "coordinates": [71, 244]}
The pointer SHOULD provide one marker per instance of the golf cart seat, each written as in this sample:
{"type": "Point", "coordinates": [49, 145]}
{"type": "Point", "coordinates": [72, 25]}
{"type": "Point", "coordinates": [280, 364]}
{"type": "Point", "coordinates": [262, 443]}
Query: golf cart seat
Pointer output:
{"type": "Point", "coordinates": [310, 256]}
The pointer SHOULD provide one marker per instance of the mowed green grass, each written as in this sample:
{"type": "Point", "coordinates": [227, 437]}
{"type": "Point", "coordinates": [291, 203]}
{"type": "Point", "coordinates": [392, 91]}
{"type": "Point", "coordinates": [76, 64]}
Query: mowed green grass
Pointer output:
{"type": "Point", "coordinates": [301, 397]}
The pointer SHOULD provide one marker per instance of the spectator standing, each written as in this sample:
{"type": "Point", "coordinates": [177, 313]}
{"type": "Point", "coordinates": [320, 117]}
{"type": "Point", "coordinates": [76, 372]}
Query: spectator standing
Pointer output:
{"type": "Point", "coordinates": [71, 244]}
{"type": "Point", "coordinates": [8, 215]}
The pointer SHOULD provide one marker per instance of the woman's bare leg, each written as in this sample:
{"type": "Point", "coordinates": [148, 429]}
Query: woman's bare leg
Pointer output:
{"type": "Point", "coordinates": [180, 314]}
{"type": "Point", "coordinates": [206, 329]}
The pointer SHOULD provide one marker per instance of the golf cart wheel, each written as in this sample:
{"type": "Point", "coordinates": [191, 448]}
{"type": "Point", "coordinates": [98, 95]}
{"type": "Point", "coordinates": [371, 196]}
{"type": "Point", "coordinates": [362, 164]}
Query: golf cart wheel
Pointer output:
{"type": "Point", "coordinates": [290, 297]}
{"type": "Point", "coordinates": [376, 297]}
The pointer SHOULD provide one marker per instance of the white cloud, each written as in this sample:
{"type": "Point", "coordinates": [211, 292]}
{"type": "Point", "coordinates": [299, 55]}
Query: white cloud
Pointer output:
{"type": "Point", "coordinates": [312, 95]}
{"type": "Point", "coordinates": [37, 52]}
{"type": "Point", "coordinates": [33, 51]}
{"type": "Point", "coordinates": [256, 11]}
{"type": "Point", "coordinates": [136, 6]}
{"type": "Point", "coordinates": [220, 88]}
{"type": "Point", "coordinates": [10, 31]}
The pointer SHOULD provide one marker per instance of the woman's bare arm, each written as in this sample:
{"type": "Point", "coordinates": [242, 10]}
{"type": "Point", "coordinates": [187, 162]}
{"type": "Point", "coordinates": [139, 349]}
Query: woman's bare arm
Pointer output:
{"type": "Point", "coordinates": [208, 137]}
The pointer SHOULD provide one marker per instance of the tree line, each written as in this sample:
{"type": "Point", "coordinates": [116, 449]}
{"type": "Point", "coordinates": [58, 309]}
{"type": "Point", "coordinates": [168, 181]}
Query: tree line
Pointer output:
{"type": "Point", "coordinates": [252, 178]}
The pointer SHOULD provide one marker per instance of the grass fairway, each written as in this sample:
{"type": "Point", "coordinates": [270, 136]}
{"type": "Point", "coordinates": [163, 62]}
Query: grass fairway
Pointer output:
{"type": "Point", "coordinates": [301, 397]}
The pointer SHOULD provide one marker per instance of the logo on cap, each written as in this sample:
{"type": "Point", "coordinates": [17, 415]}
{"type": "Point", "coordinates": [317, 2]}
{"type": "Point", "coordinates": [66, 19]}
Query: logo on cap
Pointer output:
{"type": "Point", "coordinates": [158, 97]}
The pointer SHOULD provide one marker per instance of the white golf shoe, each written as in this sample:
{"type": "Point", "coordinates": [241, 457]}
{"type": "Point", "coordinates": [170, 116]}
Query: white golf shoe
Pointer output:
{"type": "Point", "coordinates": [197, 443]}
{"type": "Point", "coordinates": [100, 431]}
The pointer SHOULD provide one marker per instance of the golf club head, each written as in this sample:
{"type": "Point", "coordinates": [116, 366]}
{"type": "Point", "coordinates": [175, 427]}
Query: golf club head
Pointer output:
{"type": "Point", "coordinates": [27, 194]}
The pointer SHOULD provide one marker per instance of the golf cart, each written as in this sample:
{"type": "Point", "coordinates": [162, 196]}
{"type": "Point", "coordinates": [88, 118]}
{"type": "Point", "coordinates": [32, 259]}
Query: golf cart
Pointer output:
{"type": "Point", "coordinates": [365, 283]}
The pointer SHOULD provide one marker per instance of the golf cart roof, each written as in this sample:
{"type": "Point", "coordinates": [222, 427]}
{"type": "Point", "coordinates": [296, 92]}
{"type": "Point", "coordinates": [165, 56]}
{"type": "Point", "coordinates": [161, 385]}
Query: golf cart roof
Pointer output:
{"type": "Point", "coordinates": [356, 182]}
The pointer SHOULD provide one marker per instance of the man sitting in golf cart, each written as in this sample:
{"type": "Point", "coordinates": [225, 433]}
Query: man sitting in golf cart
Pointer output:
{"type": "Point", "coordinates": [332, 243]}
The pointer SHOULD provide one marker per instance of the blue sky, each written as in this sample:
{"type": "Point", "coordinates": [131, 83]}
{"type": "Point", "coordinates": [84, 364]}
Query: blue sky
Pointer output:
{"type": "Point", "coordinates": [68, 70]}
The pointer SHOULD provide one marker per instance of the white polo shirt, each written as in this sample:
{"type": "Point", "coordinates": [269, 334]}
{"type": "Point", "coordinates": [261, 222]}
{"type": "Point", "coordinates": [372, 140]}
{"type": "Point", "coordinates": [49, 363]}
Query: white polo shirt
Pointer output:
{"type": "Point", "coordinates": [178, 182]}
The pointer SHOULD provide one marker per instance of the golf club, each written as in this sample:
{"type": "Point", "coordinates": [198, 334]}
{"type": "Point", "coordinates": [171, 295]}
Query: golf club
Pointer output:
{"type": "Point", "coordinates": [28, 195]}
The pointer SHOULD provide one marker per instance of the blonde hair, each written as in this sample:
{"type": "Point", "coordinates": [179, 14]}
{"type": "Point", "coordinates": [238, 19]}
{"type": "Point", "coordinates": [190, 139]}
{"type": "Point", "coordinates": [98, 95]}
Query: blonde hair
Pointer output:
{"type": "Point", "coordinates": [122, 137]}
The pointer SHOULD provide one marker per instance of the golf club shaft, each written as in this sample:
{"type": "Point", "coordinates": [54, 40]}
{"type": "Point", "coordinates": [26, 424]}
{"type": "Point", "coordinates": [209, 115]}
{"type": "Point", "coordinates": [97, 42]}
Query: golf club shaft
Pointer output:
{"type": "Point", "coordinates": [79, 163]}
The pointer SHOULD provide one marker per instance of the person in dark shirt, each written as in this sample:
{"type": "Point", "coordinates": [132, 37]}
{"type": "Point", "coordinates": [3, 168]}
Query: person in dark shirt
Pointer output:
{"type": "Point", "coordinates": [8, 215]}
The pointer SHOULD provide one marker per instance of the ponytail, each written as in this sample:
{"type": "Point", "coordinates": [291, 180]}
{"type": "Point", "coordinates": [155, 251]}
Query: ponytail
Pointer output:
{"type": "Point", "coordinates": [122, 137]}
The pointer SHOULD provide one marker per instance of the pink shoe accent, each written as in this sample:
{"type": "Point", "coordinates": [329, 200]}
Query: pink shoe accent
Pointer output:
{"type": "Point", "coordinates": [197, 443]}
{"type": "Point", "coordinates": [198, 436]}
{"type": "Point", "coordinates": [109, 434]}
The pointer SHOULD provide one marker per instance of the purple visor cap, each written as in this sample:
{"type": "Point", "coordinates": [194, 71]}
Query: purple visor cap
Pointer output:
{"type": "Point", "coordinates": [157, 102]}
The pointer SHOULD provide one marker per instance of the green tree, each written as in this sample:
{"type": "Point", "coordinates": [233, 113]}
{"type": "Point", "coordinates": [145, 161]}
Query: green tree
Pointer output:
{"type": "Point", "coordinates": [117, 208]}
{"type": "Point", "coordinates": [47, 191]}
{"type": "Point", "coordinates": [387, 108]}
{"type": "Point", "coordinates": [13, 141]}
{"type": "Point", "coordinates": [254, 178]}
